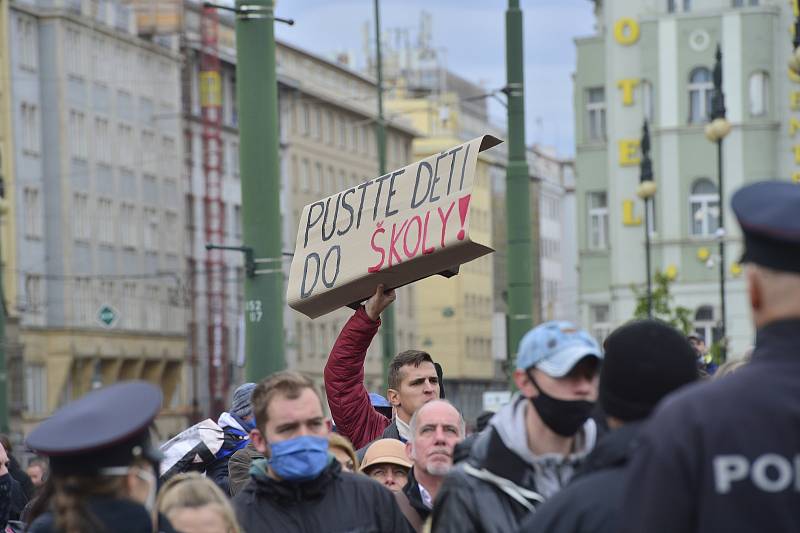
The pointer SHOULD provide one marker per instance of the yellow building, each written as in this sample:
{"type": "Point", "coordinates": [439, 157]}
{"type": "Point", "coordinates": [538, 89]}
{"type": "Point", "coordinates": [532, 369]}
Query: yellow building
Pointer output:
{"type": "Point", "coordinates": [454, 316]}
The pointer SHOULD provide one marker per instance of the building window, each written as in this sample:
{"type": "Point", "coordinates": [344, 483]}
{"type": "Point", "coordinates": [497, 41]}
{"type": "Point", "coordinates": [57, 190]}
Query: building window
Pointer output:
{"type": "Point", "coordinates": [153, 314]}
{"type": "Point", "coordinates": [306, 119]}
{"type": "Point", "coordinates": [171, 232]}
{"type": "Point", "coordinates": [150, 240]}
{"type": "Point", "coordinates": [234, 159]}
{"type": "Point", "coordinates": [677, 6]}
{"type": "Point", "coordinates": [305, 176]}
{"type": "Point", "coordinates": [30, 128]}
{"type": "Point", "coordinates": [74, 52]}
{"type": "Point", "coordinates": [319, 183]}
{"type": "Point", "coordinates": [77, 134]}
{"type": "Point", "coordinates": [128, 225]}
{"type": "Point", "coordinates": [29, 49]}
{"type": "Point", "coordinates": [130, 305]}
{"type": "Point", "coordinates": [700, 90]}
{"type": "Point", "coordinates": [600, 319]}
{"type": "Point", "coordinates": [83, 301]}
{"type": "Point", "coordinates": [33, 293]}
{"type": "Point", "coordinates": [102, 140]}
{"type": "Point", "coordinates": [759, 94]}
{"type": "Point", "coordinates": [704, 208]}
{"type": "Point", "coordinates": [596, 113]}
{"type": "Point", "coordinates": [598, 220]}
{"type": "Point", "coordinates": [80, 217]}
{"type": "Point", "coordinates": [648, 102]}
{"type": "Point", "coordinates": [237, 222]}
{"type": "Point", "coordinates": [105, 230]}
{"type": "Point", "coordinates": [343, 125]}
{"type": "Point", "coordinates": [35, 389]}
{"type": "Point", "coordinates": [124, 141]}
{"type": "Point", "coordinates": [33, 213]}
{"type": "Point", "coordinates": [742, 3]}
{"type": "Point", "coordinates": [705, 326]}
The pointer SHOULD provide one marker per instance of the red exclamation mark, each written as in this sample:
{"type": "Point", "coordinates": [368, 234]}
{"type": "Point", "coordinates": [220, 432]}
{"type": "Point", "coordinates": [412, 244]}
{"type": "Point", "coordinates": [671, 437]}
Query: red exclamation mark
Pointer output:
{"type": "Point", "coordinates": [463, 208]}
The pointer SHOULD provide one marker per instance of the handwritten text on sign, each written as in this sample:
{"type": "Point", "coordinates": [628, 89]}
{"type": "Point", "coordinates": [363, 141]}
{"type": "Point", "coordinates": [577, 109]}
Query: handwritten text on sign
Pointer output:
{"type": "Point", "coordinates": [391, 226]}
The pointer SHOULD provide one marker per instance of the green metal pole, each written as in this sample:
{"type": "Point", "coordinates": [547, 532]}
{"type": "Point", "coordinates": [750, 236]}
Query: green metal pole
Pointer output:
{"type": "Point", "coordinates": [518, 209]}
{"type": "Point", "coordinates": [257, 94]}
{"type": "Point", "coordinates": [380, 133]}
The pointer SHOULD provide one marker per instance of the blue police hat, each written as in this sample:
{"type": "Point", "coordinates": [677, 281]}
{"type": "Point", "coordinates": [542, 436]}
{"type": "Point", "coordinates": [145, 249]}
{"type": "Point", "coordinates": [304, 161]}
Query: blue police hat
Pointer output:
{"type": "Point", "coordinates": [769, 214]}
{"type": "Point", "coordinates": [378, 401]}
{"type": "Point", "coordinates": [105, 428]}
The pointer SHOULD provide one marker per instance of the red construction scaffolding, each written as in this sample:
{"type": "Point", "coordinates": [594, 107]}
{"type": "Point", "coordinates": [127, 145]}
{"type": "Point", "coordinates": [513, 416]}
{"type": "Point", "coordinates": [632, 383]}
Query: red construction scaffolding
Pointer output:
{"type": "Point", "coordinates": [214, 222]}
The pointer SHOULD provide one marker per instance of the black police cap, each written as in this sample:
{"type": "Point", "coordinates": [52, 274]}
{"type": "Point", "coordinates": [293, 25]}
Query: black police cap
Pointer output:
{"type": "Point", "coordinates": [769, 213]}
{"type": "Point", "coordinates": [105, 428]}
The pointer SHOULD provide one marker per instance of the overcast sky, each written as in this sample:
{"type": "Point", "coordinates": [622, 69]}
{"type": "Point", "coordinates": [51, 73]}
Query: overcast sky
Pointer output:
{"type": "Point", "coordinates": [473, 33]}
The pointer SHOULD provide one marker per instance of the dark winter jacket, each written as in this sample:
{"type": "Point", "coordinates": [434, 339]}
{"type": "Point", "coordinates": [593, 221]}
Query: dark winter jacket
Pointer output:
{"type": "Point", "coordinates": [334, 502]}
{"type": "Point", "coordinates": [593, 500]}
{"type": "Point", "coordinates": [348, 399]}
{"type": "Point", "coordinates": [239, 467]}
{"type": "Point", "coordinates": [18, 499]}
{"type": "Point", "coordinates": [415, 511]}
{"type": "Point", "coordinates": [117, 515]}
{"type": "Point", "coordinates": [391, 432]}
{"type": "Point", "coordinates": [502, 481]}
{"type": "Point", "coordinates": [22, 477]}
{"type": "Point", "coordinates": [235, 438]}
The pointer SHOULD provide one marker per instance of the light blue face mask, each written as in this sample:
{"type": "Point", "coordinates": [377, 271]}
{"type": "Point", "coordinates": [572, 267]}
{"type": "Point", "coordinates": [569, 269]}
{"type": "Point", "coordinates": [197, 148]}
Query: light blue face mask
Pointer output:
{"type": "Point", "coordinates": [299, 459]}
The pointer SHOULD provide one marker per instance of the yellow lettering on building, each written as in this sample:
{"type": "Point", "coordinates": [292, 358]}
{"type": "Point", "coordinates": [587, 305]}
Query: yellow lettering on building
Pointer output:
{"type": "Point", "coordinates": [626, 31]}
{"type": "Point", "coordinates": [627, 86]}
{"type": "Point", "coordinates": [794, 100]}
{"type": "Point", "coordinates": [628, 218]}
{"type": "Point", "coordinates": [796, 149]}
{"type": "Point", "coordinates": [628, 152]}
{"type": "Point", "coordinates": [794, 125]}
{"type": "Point", "coordinates": [796, 177]}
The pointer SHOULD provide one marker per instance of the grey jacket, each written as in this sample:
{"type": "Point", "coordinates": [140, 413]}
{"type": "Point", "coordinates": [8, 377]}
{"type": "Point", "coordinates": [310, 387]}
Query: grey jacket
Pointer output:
{"type": "Point", "coordinates": [239, 467]}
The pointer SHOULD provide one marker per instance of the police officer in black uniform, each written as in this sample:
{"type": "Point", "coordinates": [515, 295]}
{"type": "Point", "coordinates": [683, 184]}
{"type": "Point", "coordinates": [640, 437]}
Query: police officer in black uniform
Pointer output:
{"type": "Point", "coordinates": [103, 465]}
{"type": "Point", "coordinates": [724, 456]}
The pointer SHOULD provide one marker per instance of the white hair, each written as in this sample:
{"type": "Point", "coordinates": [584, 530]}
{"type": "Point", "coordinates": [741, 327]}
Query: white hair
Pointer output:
{"type": "Point", "coordinates": [462, 426]}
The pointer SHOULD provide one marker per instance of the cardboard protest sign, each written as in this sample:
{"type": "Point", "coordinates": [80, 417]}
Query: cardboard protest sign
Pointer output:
{"type": "Point", "coordinates": [394, 229]}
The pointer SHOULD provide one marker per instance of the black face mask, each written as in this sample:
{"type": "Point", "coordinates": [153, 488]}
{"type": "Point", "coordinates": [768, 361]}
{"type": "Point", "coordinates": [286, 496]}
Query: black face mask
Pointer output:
{"type": "Point", "coordinates": [564, 417]}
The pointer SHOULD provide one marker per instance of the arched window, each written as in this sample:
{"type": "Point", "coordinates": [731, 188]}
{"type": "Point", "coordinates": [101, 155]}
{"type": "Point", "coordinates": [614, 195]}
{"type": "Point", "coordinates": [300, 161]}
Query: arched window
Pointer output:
{"type": "Point", "coordinates": [700, 89]}
{"type": "Point", "coordinates": [759, 93]}
{"type": "Point", "coordinates": [704, 208]}
{"type": "Point", "coordinates": [705, 326]}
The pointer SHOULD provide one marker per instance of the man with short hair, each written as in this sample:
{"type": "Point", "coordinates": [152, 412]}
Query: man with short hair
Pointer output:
{"type": "Point", "coordinates": [644, 361]}
{"type": "Point", "coordinates": [413, 379]}
{"type": "Point", "coordinates": [301, 487]}
{"type": "Point", "coordinates": [37, 471]}
{"type": "Point", "coordinates": [723, 456]}
{"type": "Point", "coordinates": [436, 428]}
{"type": "Point", "coordinates": [533, 445]}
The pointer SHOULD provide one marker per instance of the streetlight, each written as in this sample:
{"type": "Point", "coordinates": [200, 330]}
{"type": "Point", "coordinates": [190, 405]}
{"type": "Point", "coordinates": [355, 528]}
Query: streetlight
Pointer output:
{"type": "Point", "coordinates": [716, 130]}
{"type": "Point", "coordinates": [646, 190]}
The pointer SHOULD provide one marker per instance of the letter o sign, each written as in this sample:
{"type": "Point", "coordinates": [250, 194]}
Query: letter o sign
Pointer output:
{"type": "Point", "coordinates": [626, 31]}
{"type": "Point", "coordinates": [782, 468]}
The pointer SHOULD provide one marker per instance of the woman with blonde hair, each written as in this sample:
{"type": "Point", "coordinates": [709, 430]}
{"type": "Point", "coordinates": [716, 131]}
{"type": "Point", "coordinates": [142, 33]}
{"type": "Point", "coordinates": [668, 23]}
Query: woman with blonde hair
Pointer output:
{"type": "Point", "coordinates": [341, 448]}
{"type": "Point", "coordinates": [194, 504]}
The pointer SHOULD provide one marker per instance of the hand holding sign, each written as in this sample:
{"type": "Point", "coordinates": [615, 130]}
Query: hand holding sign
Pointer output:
{"type": "Point", "coordinates": [391, 231]}
{"type": "Point", "coordinates": [379, 301]}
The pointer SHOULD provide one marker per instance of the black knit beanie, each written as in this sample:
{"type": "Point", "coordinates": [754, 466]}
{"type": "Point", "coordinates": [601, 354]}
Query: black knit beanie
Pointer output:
{"type": "Point", "coordinates": [644, 361]}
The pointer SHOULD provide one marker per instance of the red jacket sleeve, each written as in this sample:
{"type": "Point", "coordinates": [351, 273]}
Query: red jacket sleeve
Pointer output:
{"type": "Point", "coordinates": [344, 382]}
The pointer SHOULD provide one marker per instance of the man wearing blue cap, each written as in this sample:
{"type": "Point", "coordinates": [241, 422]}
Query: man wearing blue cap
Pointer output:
{"type": "Point", "coordinates": [533, 445]}
{"type": "Point", "coordinates": [725, 455]}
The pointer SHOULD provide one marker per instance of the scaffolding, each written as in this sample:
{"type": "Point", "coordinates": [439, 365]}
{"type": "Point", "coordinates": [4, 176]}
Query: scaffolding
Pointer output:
{"type": "Point", "coordinates": [213, 210]}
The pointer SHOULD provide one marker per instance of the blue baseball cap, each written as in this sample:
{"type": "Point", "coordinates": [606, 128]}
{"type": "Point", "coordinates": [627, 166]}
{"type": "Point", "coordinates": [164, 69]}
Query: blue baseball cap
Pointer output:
{"type": "Point", "coordinates": [555, 348]}
{"type": "Point", "coordinates": [378, 401]}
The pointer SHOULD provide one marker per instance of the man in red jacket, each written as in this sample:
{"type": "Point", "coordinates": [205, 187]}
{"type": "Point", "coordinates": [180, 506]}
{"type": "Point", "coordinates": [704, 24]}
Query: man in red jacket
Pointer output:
{"type": "Point", "coordinates": [413, 380]}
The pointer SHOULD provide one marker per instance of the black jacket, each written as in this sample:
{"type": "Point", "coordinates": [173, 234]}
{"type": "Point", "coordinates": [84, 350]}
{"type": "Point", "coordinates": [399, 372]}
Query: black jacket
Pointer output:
{"type": "Point", "coordinates": [722, 455]}
{"type": "Point", "coordinates": [117, 515]}
{"type": "Point", "coordinates": [22, 477]}
{"type": "Point", "coordinates": [467, 504]}
{"type": "Point", "coordinates": [592, 502]}
{"type": "Point", "coordinates": [391, 432]}
{"type": "Point", "coordinates": [335, 502]}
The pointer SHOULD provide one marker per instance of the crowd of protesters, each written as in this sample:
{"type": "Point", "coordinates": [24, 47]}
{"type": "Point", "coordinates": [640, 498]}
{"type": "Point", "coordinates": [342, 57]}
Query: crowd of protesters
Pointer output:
{"type": "Point", "coordinates": [641, 434]}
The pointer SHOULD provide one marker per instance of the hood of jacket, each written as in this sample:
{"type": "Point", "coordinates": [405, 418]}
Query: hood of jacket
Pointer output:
{"type": "Point", "coordinates": [613, 450]}
{"type": "Point", "coordinates": [502, 449]}
{"type": "Point", "coordinates": [290, 492]}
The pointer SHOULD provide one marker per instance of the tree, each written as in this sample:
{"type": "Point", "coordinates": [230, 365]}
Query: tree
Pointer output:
{"type": "Point", "coordinates": [677, 316]}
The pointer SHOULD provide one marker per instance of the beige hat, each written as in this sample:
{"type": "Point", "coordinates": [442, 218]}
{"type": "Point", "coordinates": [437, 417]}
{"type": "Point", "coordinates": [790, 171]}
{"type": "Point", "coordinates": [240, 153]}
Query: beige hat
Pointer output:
{"type": "Point", "coordinates": [383, 451]}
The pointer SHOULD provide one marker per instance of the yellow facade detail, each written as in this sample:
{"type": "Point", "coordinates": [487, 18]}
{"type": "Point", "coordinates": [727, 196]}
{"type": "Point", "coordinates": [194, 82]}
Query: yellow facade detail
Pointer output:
{"type": "Point", "coordinates": [626, 31]}
{"type": "Point", "coordinates": [794, 125]}
{"type": "Point", "coordinates": [794, 100]}
{"type": "Point", "coordinates": [8, 244]}
{"type": "Point", "coordinates": [628, 217]}
{"type": "Point", "coordinates": [627, 86]}
{"type": "Point", "coordinates": [628, 152]}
